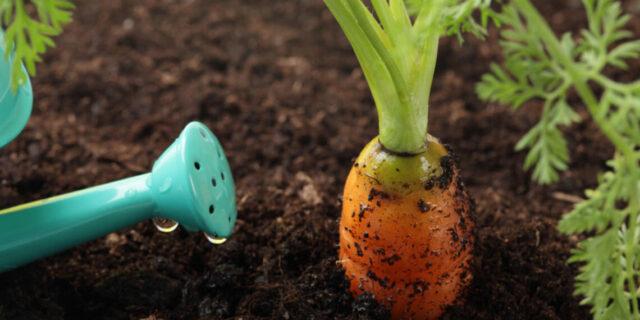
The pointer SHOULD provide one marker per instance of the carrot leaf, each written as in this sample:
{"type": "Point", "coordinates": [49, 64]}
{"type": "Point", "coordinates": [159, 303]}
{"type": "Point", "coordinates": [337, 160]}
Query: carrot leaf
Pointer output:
{"type": "Point", "coordinates": [539, 65]}
{"type": "Point", "coordinates": [27, 38]}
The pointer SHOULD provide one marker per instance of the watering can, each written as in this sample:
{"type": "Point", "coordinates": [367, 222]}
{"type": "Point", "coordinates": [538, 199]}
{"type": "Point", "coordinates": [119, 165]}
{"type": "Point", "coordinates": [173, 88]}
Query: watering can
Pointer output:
{"type": "Point", "coordinates": [190, 185]}
{"type": "Point", "coordinates": [15, 105]}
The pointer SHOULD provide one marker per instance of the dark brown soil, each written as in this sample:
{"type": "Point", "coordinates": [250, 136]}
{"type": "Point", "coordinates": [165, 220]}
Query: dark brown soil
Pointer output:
{"type": "Point", "coordinates": [279, 85]}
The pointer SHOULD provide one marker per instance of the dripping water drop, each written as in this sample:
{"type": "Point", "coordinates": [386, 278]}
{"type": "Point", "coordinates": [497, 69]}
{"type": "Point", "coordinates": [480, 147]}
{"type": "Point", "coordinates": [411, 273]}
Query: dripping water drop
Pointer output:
{"type": "Point", "coordinates": [215, 240]}
{"type": "Point", "coordinates": [165, 225]}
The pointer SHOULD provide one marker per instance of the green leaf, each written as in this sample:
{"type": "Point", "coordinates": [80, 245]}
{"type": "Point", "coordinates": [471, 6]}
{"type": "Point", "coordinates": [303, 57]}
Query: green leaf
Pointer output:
{"type": "Point", "coordinates": [499, 86]}
{"type": "Point", "coordinates": [601, 276]}
{"type": "Point", "coordinates": [548, 152]}
{"type": "Point", "coordinates": [598, 212]}
{"type": "Point", "coordinates": [606, 29]}
{"type": "Point", "coordinates": [618, 56]}
{"type": "Point", "coordinates": [548, 68]}
{"type": "Point", "coordinates": [458, 17]}
{"type": "Point", "coordinates": [26, 38]}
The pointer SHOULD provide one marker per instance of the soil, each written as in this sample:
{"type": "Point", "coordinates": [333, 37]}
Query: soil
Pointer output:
{"type": "Point", "coordinates": [279, 85]}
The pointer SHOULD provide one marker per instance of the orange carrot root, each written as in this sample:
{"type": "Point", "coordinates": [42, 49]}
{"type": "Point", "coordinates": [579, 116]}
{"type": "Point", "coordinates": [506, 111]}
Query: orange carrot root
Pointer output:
{"type": "Point", "coordinates": [412, 249]}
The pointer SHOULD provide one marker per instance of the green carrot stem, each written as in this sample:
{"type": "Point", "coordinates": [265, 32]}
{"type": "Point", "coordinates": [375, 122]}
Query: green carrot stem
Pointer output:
{"type": "Point", "coordinates": [398, 58]}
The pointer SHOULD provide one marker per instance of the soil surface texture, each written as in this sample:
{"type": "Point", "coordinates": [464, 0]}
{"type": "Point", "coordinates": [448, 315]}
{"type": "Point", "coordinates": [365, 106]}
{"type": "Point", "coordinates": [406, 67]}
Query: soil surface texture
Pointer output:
{"type": "Point", "coordinates": [279, 85]}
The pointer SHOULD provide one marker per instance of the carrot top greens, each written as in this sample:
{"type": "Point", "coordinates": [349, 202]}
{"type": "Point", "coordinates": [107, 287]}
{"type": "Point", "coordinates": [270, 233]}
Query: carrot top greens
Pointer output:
{"type": "Point", "coordinates": [27, 38]}
{"type": "Point", "coordinates": [397, 50]}
{"type": "Point", "coordinates": [540, 65]}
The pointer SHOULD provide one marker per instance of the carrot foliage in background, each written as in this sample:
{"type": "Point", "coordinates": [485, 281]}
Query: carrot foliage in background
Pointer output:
{"type": "Point", "coordinates": [29, 29]}
{"type": "Point", "coordinates": [539, 65]}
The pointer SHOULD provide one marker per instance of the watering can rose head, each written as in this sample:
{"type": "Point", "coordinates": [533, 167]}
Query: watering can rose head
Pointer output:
{"type": "Point", "coordinates": [193, 185]}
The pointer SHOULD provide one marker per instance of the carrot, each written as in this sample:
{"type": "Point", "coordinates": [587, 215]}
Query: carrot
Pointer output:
{"type": "Point", "coordinates": [406, 230]}
{"type": "Point", "coordinates": [410, 246]}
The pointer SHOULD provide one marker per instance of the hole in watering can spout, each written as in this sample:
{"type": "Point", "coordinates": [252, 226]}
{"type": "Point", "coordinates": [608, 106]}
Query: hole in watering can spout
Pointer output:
{"type": "Point", "coordinates": [165, 225]}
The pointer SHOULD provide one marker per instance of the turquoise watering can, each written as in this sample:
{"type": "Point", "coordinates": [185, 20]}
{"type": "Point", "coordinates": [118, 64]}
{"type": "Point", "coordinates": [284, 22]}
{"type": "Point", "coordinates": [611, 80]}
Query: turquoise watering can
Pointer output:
{"type": "Point", "coordinates": [190, 184]}
{"type": "Point", "coordinates": [15, 106]}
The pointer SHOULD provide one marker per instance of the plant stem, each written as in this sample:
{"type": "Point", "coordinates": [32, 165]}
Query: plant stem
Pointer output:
{"type": "Point", "coordinates": [537, 22]}
{"type": "Point", "coordinates": [407, 131]}
{"type": "Point", "coordinates": [398, 57]}
{"type": "Point", "coordinates": [360, 13]}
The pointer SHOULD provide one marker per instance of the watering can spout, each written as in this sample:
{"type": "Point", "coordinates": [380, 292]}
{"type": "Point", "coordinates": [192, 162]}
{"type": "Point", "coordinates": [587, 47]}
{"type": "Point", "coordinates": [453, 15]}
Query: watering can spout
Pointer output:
{"type": "Point", "coordinates": [191, 183]}
{"type": "Point", "coordinates": [193, 176]}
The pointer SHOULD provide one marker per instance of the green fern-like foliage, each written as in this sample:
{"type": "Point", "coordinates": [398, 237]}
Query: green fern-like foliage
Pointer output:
{"type": "Point", "coordinates": [531, 71]}
{"type": "Point", "coordinates": [458, 16]}
{"type": "Point", "coordinates": [27, 37]}
{"type": "Point", "coordinates": [539, 65]}
{"type": "Point", "coordinates": [608, 278]}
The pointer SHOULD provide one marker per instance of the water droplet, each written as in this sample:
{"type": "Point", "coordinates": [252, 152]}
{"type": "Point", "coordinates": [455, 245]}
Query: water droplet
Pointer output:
{"type": "Point", "coordinates": [215, 240]}
{"type": "Point", "coordinates": [165, 225]}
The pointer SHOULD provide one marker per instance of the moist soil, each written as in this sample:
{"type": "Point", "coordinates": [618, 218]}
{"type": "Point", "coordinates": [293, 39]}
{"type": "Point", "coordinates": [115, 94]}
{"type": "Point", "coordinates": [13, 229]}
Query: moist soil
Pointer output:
{"type": "Point", "coordinates": [279, 85]}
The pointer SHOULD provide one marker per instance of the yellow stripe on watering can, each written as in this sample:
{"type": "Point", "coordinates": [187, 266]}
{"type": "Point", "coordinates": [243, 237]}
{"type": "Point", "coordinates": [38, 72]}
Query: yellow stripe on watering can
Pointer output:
{"type": "Point", "coordinates": [39, 202]}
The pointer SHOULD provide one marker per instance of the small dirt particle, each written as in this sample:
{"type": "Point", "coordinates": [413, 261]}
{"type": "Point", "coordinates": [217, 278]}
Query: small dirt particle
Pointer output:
{"type": "Point", "coordinates": [382, 282]}
{"type": "Point", "coordinates": [423, 206]}
{"type": "Point", "coordinates": [391, 260]}
{"type": "Point", "coordinates": [446, 163]}
{"type": "Point", "coordinates": [454, 235]}
{"type": "Point", "coordinates": [363, 208]}
{"type": "Point", "coordinates": [358, 249]}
